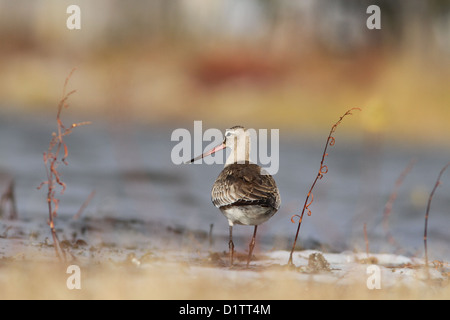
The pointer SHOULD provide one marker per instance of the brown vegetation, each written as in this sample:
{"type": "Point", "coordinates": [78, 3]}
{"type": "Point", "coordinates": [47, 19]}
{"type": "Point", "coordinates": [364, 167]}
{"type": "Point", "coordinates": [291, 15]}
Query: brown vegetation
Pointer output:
{"type": "Point", "coordinates": [323, 169]}
{"type": "Point", "coordinates": [57, 153]}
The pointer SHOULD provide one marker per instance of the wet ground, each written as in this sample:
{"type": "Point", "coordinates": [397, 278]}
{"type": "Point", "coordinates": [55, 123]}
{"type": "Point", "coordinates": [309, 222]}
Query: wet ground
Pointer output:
{"type": "Point", "coordinates": [144, 202]}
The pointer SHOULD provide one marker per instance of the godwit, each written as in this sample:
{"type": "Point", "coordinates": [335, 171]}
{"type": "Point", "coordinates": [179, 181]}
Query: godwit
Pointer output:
{"type": "Point", "coordinates": [243, 191]}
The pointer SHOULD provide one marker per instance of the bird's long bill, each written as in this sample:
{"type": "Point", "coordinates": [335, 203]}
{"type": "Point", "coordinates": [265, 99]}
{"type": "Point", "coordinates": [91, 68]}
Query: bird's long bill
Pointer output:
{"type": "Point", "coordinates": [213, 150]}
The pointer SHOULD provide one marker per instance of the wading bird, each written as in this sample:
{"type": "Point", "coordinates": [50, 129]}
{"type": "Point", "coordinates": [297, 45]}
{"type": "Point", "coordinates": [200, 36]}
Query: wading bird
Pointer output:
{"type": "Point", "coordinates": [244, 192]}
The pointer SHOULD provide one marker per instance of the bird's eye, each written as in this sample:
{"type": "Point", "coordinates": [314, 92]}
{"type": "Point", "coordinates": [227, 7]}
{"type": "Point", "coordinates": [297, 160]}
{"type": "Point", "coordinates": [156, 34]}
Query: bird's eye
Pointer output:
{"type": "Point", "coordinates": [227, 134]}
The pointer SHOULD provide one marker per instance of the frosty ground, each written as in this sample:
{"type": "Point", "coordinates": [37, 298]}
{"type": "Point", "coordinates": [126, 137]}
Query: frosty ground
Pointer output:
{"type": "Point", "coordinates": [124, 264]}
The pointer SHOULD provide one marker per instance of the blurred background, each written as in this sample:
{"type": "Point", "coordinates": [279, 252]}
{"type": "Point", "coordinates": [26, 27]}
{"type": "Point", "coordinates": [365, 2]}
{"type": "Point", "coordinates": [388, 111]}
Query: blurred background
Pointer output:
{"type": "Point", "coordinates": [221, 61]}
{"type": "Point", "coordinates": [145, 68]}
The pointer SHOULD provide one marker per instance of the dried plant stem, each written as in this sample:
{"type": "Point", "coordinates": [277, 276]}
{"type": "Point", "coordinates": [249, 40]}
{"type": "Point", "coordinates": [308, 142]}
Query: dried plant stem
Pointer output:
{"type": "Point", "coordinates": [60, 253]}
{"type": "Point", "coordinates": [393, 196]}
{"type": "Point", "coordinates": [9, 197]}
{"type": "Point", "coordinates": [366, 239]}
{"type": "Point", "coordinates": [84, 205]}
{"type": "Point", "coordinates": [427, 213]}
{"type": "Point", "coordinates": [323, 169]}
{"type": "Point", "coordinates": [51, 162]}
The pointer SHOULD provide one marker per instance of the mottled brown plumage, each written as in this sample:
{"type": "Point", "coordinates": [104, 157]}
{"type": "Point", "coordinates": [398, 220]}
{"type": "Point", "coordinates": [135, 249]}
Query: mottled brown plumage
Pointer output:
{"type": "Point", "coordinates": [243, 191]}
{"type": "Point", "coordinates": [243, 185]}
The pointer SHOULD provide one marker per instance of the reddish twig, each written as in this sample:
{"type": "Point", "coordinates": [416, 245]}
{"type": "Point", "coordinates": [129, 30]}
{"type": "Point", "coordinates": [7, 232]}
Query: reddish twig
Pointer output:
{"type": "Point", "coordinates": [427, 213]}
{"type": "Point", "coordinates": [388, 207]}
{"type": "Point", "coordinates": [51, 162]}
{"type": "Point", "coordinates": [323, 169]}
{"type": "Point", "coordinates": [84, 205]}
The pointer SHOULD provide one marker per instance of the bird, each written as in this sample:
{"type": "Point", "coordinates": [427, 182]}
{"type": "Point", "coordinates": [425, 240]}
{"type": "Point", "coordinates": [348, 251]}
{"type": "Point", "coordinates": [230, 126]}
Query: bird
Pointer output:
{"type": "Point", "coordinates": [244, 192]}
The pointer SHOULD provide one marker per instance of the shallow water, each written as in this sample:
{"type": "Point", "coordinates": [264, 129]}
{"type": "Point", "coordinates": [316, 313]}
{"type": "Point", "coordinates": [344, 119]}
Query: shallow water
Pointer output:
{"type": "Point", "coordinates": [142, 197]}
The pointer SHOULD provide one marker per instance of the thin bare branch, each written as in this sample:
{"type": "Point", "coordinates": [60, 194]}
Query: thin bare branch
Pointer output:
{"type": "Point", "coordinates": [427, 213]}
{"type": "Point", "coordinates": [393, 196]}
{"type": "Point", "coordinates": [84, 205]}
{"type": "Point", "coordinates": [323, 169]}
{"type": "Point", "coordinates": [51, 162]}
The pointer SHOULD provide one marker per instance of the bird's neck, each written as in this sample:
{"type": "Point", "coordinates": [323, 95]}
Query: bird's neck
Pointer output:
{"type": "Point", "coordinates": [240, 151]}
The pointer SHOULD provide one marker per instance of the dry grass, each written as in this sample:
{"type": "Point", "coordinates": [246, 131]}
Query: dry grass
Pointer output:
{"type": "Point", "coordinates": [34, 280]}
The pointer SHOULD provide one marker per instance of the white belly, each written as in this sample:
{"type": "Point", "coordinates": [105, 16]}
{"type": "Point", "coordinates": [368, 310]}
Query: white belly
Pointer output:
{"type": "Point", "coordinates": [248, 215]}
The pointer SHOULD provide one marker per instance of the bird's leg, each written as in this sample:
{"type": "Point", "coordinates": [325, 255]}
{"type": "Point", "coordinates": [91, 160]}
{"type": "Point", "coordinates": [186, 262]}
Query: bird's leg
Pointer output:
{"type": "Point", "coordinates": [231, 246]}
{"type": "Point", "coordinates": [251, 246]}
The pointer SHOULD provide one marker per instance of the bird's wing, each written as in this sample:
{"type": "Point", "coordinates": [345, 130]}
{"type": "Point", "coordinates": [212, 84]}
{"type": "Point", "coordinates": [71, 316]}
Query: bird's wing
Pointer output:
{"type": "Point", "coordinates": [245, 185]}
